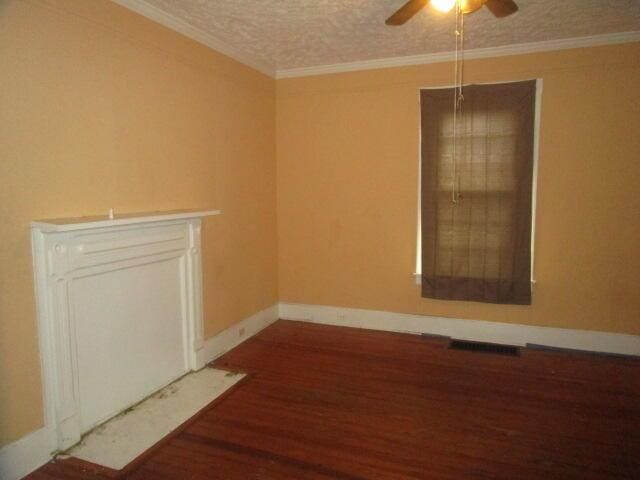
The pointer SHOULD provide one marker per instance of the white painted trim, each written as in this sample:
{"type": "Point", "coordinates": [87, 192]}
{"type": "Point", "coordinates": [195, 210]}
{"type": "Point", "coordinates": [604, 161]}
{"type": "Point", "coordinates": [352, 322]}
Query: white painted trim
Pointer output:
{"type": "Point", "coordinates": [233, 336]}
{"type": "Point", "coordinates": [249, 59]}
{"type": "Point", "coordinates": [174, 23]}
{"type": "Point", "coordinates": [417, 274]}
{"type": "Point", "coordinates": [534, 180]}
{"type": "Point", "coordinates": [494, 332]}
{"type": "Point", "coordinates": [418, 266]}
{"type": "Point", "coordinates": [25, 455]}
{"type": "Point", "coordinates": [516, 49]}
{"type": "Point", "coordinates": [97, 248]}
{"type": "Point", "coordinates": [85, 223]}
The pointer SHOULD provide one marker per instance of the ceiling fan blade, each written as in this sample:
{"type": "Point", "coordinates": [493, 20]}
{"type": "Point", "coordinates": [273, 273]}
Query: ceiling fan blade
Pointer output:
{"type": "Point", "coordinates": [405, 12]}
{"type": "Point", "coordinates": [502, 8]}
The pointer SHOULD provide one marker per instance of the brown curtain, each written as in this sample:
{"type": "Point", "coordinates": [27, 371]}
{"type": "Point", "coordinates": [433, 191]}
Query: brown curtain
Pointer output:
{"type": "Point", "coordinates": [478, 248]}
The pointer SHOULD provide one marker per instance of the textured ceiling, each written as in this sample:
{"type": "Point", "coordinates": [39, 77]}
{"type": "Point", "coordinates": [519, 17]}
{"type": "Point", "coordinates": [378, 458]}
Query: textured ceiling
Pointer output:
{"type": "Point", "coordinates": [286, 34]}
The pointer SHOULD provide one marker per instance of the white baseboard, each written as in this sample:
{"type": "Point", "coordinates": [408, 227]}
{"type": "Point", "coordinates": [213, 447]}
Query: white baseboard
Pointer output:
{"type": "Point", "coordinates": [224, 341]}
{"type": "Point", "coordinates": [494, 332]}
{"type": "Point", "coordinates": [22, 457]}
{"type": "Point", "coordinates": [34, 450]}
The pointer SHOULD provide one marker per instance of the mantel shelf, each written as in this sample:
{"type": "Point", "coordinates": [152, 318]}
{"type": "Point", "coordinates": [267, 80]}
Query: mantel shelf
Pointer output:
{"type": "Point", "coordinates": [100, 221]}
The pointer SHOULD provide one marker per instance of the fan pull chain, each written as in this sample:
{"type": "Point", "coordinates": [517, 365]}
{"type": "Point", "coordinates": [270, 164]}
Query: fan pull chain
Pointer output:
{"type": "Point", "coordinates": [458, 96]}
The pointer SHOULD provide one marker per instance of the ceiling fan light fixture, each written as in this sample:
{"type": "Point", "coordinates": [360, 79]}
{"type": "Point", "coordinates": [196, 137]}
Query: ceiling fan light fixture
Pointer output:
{"type": "Point", "coordinates": [443, 6]}
{"type": "Point", "coordinates": [499, 8]}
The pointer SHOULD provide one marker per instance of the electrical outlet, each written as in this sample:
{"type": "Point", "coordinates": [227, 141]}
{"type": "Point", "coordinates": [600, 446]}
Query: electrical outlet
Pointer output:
{"type": "Point", "coordinates": [241, 332]}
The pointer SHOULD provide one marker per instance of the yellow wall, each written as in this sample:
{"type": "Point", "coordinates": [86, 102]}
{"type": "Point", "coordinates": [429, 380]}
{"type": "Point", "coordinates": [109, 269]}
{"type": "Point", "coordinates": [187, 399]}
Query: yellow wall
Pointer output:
{"type": "Point", "coordinates": [101, 108]}
{"type": "Point", "coordinates": [347, 147]}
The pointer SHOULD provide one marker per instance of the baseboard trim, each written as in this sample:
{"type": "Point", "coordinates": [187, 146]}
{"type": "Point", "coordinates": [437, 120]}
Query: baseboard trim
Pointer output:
{"type": "Point", "coordinates": [478, 330]}
{"type": "Point", "coordinates": [233, 336]}
{"type": "Point", "coordinates": [22, 457]}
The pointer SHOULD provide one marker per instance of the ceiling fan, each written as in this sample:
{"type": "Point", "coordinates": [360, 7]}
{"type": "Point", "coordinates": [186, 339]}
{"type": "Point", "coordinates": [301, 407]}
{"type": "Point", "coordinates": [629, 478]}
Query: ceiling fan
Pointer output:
{"type": "Point", "coordinates": [500, 8]}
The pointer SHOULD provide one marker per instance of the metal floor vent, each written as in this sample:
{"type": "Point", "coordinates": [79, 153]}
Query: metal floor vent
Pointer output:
{"type": "Point", "coordinates": [484, 347]}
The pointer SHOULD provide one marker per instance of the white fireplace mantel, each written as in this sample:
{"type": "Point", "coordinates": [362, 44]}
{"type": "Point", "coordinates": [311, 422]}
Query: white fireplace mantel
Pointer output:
{"type": "Point", "coordinates": [119, 303]}
{"type": "Point", "coordinates": [102, 221]}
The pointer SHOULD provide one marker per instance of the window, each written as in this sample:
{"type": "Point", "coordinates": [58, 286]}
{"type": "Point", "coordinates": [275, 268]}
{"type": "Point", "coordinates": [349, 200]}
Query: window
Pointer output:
{"type": "Point", "coordinates": [476, 206]}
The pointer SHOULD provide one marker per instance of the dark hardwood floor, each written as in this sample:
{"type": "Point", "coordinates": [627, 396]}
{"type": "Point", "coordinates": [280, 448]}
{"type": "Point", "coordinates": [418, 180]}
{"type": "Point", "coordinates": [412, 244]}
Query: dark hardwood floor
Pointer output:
{"type": "Point", "coordinates": [335, 403]}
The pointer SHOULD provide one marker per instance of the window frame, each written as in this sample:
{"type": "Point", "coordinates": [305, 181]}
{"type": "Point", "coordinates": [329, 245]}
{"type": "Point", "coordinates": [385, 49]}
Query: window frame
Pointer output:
{"type": "Point", "coordinates": [534, 184]}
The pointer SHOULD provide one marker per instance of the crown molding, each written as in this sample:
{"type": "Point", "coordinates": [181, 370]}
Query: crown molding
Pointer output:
{"type": "Point", "coordinates": [160, 16]}
{"type": "Point", "coordinates": [517, 49]}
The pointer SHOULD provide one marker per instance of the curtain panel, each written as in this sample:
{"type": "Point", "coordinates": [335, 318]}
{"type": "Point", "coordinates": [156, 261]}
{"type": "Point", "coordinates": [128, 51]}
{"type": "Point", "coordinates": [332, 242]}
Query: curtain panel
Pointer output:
{"type": "Point", "coordinates": [476, 200]}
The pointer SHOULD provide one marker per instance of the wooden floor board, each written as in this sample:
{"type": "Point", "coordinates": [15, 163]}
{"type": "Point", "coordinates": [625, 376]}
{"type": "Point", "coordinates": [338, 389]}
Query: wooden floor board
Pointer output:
{"type": "Point", "coordinates": [326, 402]}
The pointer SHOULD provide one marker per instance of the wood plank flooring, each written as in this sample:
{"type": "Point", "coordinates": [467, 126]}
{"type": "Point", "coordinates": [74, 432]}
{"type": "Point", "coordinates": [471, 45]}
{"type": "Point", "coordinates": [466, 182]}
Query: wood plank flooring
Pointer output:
{"type": "Point", "coordinates": [336, 403]}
